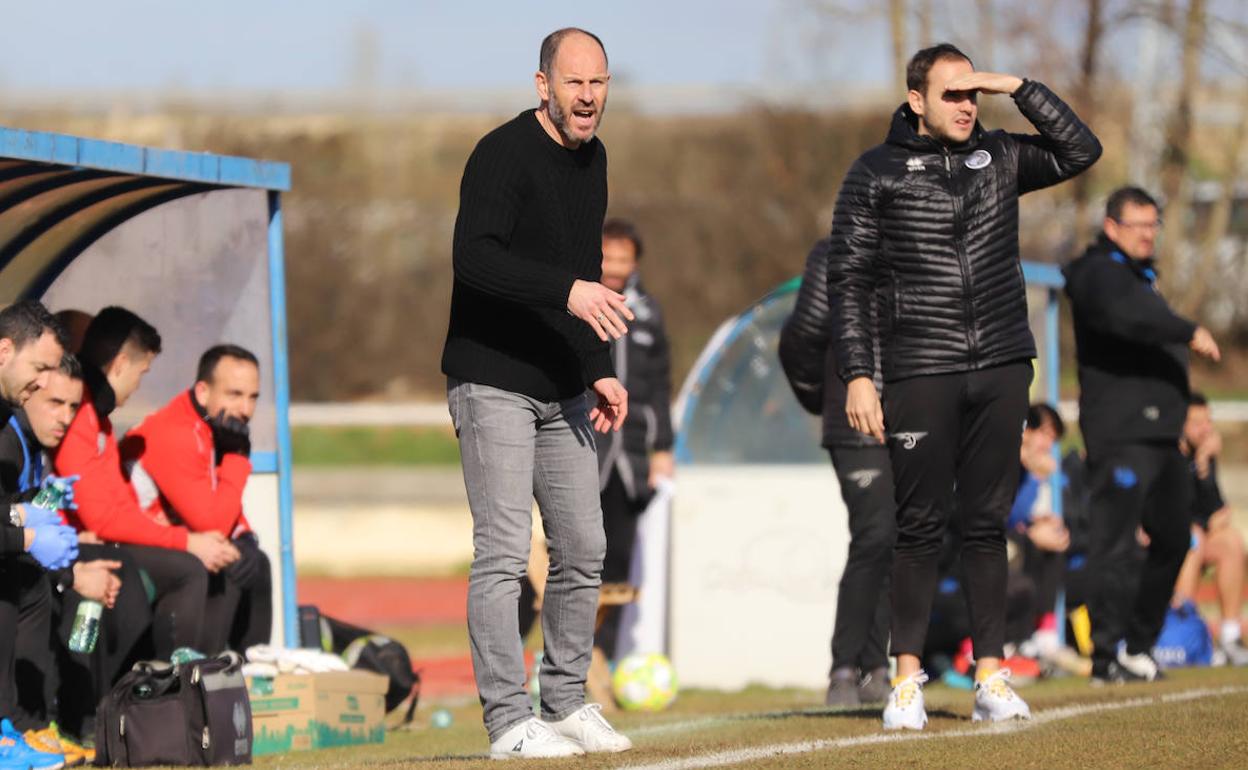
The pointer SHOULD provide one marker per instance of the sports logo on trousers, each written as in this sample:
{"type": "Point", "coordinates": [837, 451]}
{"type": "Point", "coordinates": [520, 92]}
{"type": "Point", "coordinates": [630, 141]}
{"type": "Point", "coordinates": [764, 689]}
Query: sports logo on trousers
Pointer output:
{"type": "Point", "coordinates": [865, 477]}
{"type": "Point", "coordinates": [908, 439]}
{"type": "Point", "coordinates": [978, 159]}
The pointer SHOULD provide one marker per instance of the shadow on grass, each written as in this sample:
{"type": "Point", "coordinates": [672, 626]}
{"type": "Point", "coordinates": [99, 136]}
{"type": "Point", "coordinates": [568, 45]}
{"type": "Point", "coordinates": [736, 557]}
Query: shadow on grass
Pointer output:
{"type": "Point", "coordinates": [859, 712]}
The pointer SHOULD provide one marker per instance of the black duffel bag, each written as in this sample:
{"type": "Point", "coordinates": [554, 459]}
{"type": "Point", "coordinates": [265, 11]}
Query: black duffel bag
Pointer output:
{"type": "Point", "coordinates": [194, 713]}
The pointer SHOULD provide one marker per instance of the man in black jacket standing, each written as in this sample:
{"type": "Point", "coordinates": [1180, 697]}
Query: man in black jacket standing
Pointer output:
{"type": "Point", "coordinates": [528, 334]}
{"type": "Point", "coordinates": [928, 221]}
{"type": "Point", "coordinates": [859, 671]}
{"type": "Point", "coordinates": [632, 461]}
{"type": "Point", "coordinates": [1133, 395]}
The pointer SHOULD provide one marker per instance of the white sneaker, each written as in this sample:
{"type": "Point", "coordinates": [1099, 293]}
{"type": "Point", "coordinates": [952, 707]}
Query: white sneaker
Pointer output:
{"type": "Point", "coordinates": [1140, 664]}
{"type": "Point", "coordinates": [532, 739]}
{"type": "Point", "coordinates": [1236, 653]}
{"type": "Point", "coordinates": [905, 704]}
{"type": "Point", "coordinates": [996, 701]}
{"type": "Point", "coordinates": [587, 728]}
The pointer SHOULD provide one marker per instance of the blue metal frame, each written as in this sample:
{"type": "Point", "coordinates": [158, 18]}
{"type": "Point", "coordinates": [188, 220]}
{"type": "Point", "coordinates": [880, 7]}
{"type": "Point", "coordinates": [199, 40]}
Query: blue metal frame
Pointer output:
{"type": "Point", "coordinates": [281, 388]}
{"type": "Point", "coordinates": [202, 167]}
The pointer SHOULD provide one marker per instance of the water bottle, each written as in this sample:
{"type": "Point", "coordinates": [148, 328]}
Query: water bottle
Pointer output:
{"type": "Point", "coordinates": [86, 629]}
{"type": "Point", "coordinates": [52, 496]}
{"type": "Point", "coordinates": [535, 686]}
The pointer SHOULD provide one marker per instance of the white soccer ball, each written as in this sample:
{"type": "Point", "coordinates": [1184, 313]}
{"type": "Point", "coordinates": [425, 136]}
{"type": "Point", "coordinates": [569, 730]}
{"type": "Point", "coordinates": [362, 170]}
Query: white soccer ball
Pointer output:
{"type": "Point", "coordinates": [644, 682]}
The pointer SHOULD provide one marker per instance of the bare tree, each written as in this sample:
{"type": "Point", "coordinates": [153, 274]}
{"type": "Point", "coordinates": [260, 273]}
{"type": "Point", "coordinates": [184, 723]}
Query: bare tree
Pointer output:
{"type": "Point", "coordinates": [897, 23]}
{"type": "Point", "coordinates": [987, 34]}
{"type": "Point", "coordinates": [1085, 86]}
{"type": "Point", "coordinates": [1175, 183]}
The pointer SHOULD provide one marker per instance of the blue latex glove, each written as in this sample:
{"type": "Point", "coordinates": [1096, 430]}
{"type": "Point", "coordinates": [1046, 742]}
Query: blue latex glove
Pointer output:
{"type": "Point", "coordinates": [67, 483]}
{"type": "Point", "coordinates": [55, 546]}
{"type": "Point", "coordinates": [36, 516]}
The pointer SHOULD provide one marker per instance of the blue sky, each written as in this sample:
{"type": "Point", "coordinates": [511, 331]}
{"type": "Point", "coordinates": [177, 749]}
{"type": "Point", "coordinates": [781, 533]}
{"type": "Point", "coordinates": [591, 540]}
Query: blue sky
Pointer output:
{"type": "Point", "coordinates": [314, 44]}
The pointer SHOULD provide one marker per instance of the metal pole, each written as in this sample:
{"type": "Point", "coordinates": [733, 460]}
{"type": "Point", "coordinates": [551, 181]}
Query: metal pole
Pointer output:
{"type": "Point", "coordinates": [281, 387]}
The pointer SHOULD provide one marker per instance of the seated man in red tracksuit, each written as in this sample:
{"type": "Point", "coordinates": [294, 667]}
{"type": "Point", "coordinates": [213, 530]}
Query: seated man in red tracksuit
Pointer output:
{"type": "Point", "coordinates": [188, 464]}
{"type": "Point", "coordinates": [117, 351]}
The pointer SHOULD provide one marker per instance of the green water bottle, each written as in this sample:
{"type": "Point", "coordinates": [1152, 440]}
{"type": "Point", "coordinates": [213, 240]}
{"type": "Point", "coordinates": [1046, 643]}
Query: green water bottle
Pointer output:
{"type": "Point", "coordinates": [86, 630]}
{"type": "Point", "coordinates": [52, 496]}
{"type": "Point", "coordinates": [86, 620]}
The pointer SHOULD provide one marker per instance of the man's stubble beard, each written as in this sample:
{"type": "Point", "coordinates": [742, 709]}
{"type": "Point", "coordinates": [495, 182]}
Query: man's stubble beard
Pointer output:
{"type": "Point", "coordinates": [560, 119]}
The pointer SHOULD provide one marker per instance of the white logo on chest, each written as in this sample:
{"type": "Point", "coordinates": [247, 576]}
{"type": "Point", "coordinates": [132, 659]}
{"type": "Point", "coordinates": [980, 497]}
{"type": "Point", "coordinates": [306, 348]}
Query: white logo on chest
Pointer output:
{"type": "Point", "coordinates": [978, 159]}
{"type": "Point", "coordinates": [915, 164]}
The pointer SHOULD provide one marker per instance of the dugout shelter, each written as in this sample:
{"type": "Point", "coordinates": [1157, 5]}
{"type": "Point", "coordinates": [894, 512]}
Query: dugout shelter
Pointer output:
{"type": "Point", "coordinates": [190, 241]}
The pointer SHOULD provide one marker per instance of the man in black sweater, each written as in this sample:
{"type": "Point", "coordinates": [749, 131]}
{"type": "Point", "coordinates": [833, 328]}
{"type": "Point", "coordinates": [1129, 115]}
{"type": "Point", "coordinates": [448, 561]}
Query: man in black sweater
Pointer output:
{"type": "Point", "coordinates": [926, 225]}
{"type": "Point", "coordinates": [1133, 394]}
{"type": "Point", "coordinates": [528, 333]}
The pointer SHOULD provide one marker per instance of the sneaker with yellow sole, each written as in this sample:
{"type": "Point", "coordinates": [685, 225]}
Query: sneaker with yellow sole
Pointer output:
{"type": "Point", "coordinates": [47, 741]}
{"type": "Point", "coordinates": [16, 749]}
{"type": "Point", "coordinates": [996, 701]}
{"type": "Point", "coordinates": [75, 753]}
{"type": "Point", "coordinates": [905, 709]}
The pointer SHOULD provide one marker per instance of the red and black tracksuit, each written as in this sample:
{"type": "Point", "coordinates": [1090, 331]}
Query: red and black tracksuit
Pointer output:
{"type": "Point", "coordinates": [179, 478]}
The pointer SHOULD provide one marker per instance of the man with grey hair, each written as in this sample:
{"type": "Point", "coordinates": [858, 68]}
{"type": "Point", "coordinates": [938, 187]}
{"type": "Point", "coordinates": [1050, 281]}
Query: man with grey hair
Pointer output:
{"type": "Point", "coordinates": [528, 335]}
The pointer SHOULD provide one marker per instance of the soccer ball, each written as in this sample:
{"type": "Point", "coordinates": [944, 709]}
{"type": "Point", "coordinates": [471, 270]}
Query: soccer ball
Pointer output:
{"type": "Point", "coordinates": [644, 682]}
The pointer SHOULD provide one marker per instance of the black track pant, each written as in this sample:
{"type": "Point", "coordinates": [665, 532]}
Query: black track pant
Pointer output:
{"type": "Point", "coordinates": [125, 637]}
{"type": "Point", "coordinates": [860, 636]}
{"type": "Point", "coordinates": [1135, 485]}
{"type": "Point", "coordinates": [619, 522]}
{"type": "Point", "coordinates": [954, 440]}
{"type": "Point", "coordinates": [25, 642]}
{"type": "Point", "coordinates": [178, 588]}
{"type": "Point", "coordinates": [239, 611]}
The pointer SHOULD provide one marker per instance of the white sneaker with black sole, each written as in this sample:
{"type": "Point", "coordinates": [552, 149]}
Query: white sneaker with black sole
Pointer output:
{"type": "Point", "coordinates": [905, 708]}
{"type": "Point", "coordinates": [532, 739]}
{"type": "Point", "coordinates": [589, 729]}
{"type": "Point", "coordinates": [996, 701]}
{"type": "Point", "coordinates": [1141, 665]}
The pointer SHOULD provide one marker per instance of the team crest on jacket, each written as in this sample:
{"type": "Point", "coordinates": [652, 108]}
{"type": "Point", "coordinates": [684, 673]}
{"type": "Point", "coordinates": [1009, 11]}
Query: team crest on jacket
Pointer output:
{"type": "Point", "coordinates": [915, 164]}
{"type": "Point", "coordinates": [978, 159]}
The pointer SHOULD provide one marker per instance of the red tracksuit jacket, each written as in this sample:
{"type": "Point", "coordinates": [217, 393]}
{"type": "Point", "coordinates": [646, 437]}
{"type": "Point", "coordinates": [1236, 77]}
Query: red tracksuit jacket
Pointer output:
{"type": "Point", "coordinates": [106, 502]}
{"type": "Point", "coordinates": [174, 474]}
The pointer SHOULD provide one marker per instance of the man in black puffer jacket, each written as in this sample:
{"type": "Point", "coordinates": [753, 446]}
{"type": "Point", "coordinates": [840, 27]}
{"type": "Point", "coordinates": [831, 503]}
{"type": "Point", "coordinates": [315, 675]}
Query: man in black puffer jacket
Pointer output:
{"type": "Point", "coordinates": [1133, 396]}
{"type": "Point", "coordinates": [859, 653]}
{"type": "Point", "coordinates": [929, 222]}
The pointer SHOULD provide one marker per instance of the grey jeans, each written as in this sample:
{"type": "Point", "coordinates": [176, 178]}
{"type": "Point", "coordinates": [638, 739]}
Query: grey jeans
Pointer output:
{"type": "Point", "coordinates": [515, 448]}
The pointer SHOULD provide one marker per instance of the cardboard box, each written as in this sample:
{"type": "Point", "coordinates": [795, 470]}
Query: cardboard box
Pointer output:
{"type": "Point", "coordinates": [292, 712]}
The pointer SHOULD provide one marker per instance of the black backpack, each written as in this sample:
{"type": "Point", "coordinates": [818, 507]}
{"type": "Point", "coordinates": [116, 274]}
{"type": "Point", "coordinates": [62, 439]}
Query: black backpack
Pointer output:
{"type": "Point", "coordinates": [366, 650]}
{"type": "Point", "coordinates": [158, 713]}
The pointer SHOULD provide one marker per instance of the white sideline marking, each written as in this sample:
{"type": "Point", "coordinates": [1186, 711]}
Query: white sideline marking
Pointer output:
{"type": "Point", "coordinates": [736, 756]}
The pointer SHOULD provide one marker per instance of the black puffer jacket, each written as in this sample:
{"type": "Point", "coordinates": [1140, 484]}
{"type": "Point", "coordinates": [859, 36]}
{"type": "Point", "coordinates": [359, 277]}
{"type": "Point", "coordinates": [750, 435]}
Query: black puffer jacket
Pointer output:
{"type": "Point", "coordinates": [1132, 351]}
{"type": "Point", "coordinates": [809, 361]}
{"type": "Point", "coordinates": [935, 229]}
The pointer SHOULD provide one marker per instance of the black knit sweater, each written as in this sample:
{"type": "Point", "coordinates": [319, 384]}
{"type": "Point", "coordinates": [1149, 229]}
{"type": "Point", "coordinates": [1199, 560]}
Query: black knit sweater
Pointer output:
{"type": "Point", "coordinates": [529, 225]}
